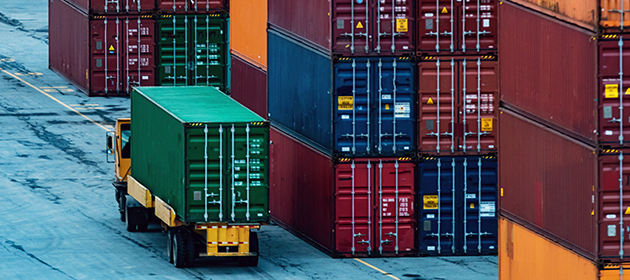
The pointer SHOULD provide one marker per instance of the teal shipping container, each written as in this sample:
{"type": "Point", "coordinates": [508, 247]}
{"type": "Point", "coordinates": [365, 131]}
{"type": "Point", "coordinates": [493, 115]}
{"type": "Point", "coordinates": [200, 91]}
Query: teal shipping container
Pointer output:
{"type": "Point", "coordinates": [193, 50]}
{"type": "Point", "coordinates": [201, 152]}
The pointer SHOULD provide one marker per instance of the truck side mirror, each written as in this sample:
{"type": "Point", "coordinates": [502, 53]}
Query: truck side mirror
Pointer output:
{"type": "Point", "coordinates": [110, 138]}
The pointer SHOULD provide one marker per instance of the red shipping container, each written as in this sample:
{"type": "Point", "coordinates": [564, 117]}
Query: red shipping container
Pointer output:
{"type": "Point", "coordinates": [192, 6]}
{"type": "Point", "coordinates": [613, 119]}
{"type": "Point", "coordinates": [107, 57]}
{"type": "Point", "coordinates": [614, 202]}
{"type": "Point", "coordinates": [359, 27]}
{"type": "Point", "coordinates": [249, 85]}
{"type": "Point", "coordinates": [457, 27]}
{"type": "Point", "coordinates": [348, 209]}
{"type": "Point", "coordinates": [551, 78]}
{"type": "Point", "coordinates": [119, 7]}
{"type": "Point", "coordinates": [458, 101]}
{"type": "Point", "coordinates": [547, 182]}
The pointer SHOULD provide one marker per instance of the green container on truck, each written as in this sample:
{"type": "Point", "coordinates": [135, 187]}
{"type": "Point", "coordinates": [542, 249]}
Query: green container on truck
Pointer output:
{"type": "Point", "coordinates": [199, 163]}
{"type": "Point", "coordinates": [193, 50]}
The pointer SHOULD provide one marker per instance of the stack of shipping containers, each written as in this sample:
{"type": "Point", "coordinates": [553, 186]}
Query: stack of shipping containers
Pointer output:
{"type": "Point", "coordinates": [105, 47]}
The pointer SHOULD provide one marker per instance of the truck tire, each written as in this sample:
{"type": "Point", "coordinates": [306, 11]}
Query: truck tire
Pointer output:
{"type": "Point", "coordinates": [120, 198]}
{"type": "Point", "coordinates": [180, 248]}
{"type": "Point", "coordinates": [253, 247]}
{"type": "Point", "coordinates": [169, 246]}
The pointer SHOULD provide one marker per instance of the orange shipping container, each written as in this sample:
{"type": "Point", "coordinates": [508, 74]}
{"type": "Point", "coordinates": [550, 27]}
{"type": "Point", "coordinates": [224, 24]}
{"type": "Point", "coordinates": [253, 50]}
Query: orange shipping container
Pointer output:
{"type": "Point", "coordinates": [579, 12]}
{"type": "Point", "coordinates": [526, 255]}
{"type": "Point", "coordinates": [611, 271]}
{"type": "Point", "coordinates": [610, 21]}
{"type": "Point", "coordinates": [248, 20]}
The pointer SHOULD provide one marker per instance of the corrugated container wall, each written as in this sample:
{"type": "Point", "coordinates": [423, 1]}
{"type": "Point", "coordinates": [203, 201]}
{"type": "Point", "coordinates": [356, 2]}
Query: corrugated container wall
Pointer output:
{"type": "Point", "coordinates": [116, 7]}
{"type": "Point", "coordinates": [579, 12]}
{"type": "Point", "coordinates": [307, 19]}
{"type": "Point", "coordinates": [525, 255]}
{"type": "Point", "coordinates": [299, 89]}
{"type": "Point", "coordinates": [192, 6]}
{"type": "Point", "coordinates": [548, 181]}
{"type": "Point", "coordinates": [612, 124]}
{"type": "Point", "coordinates": [458, 99]}
{"type": "Point", "coordinates": [249, 85]}
{"type": "Point", "coordinates": [552, 81]}
{"type": "Point", "coordinates": [456, 27]}
{"type": "Point", "coordinates": [210, 162]}
{"type": "Point", "coordinates": [459, 205]}
{"type": "Point", "coordinates": [248, 31]}
{"type": "Point", "coordinates": [610, 20]}
{"type": "Point", "coordinates": [611, 271]}
{"type": "Point", "coordinates": [614, 203]}
{"type": "Point", "coordinates": [69, 58]}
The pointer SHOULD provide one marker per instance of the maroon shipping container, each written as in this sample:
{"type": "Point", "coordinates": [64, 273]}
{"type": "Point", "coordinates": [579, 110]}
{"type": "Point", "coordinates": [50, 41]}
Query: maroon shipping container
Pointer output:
{"type": "Point", "coordinates": [547, 71]}
{"type": "Point", "coordinates": [548, 181]}
{"type": "Point", "coordinates": [249, 85]}
{"type": "Point", "coordinates": [614, 202]}
{"type": "Point", "coordinates": [611, 125]}
{"type": "Point", "coordinates": [359, 27]}
{"type": "Point", "coordinates": [101, 7]}
{"type": "Point", "coordinates": [456, 27]}
{"type": "Point", "coordinates": [457, 97]}
{"type": "Point", "coordinates": [359, 208]}
{"type": "Point", "coordinates": [192, 6]}
{"type": "Point", "coordinates": [113, 55]}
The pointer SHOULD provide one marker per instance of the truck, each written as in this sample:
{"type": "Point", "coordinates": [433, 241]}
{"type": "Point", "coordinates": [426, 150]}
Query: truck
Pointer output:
{"type": "Point", "coordinates": [197, 164]}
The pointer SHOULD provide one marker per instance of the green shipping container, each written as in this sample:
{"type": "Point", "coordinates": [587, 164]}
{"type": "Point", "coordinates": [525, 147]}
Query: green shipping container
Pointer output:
{"type": "Point", "coordinates": [201, 152]}
{"type": "Point", "coordinates": [193, 50]}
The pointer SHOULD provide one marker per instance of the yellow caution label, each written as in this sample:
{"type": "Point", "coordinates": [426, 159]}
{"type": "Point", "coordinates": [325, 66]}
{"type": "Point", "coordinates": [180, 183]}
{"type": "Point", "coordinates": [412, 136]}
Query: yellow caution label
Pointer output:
{"type": "Point", "coordinates": [486, 124]}
{"type": "Point", "coordinates": [501, 191]}
{"type": "Point", "coordinates": [430, 101]}
{"type": "Point", "coordinates": [593, 213]}
{"type": "Point", "coordinates": [345, 103]}
{"type": "Point", "coordinates": [111, 47]}
{"type": "Point", "coordinates": [444, 11]}
{"type": "Point", "coordinates": [472, 206]}
{"type": "Point", "coordinates": [627, 91]}
{"type": "Point", "coordinates": [401, 25]}
{"type": "Point", "coordinates": [611, 91]}
{"type": "Point", "coordinates": [359, 25]}
{"type": "Point", "coordinates": [627, 211]}
{"type": "Point", "coordinates": [386, 106]}
{"type": "Point", "coordinates": [430, 202]}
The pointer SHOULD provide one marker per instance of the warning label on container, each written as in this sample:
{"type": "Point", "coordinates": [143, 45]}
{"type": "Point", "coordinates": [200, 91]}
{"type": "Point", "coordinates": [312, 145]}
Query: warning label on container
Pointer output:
{"type": "Point", "coordinates": [611, 91]}
{"type": "Point", "coordinates": [430, 202]}
{"type": "Point", "coordinates": [444, 11]}
{"type": "Point", "coordinates": [486, 124]}
{"type": "Point", "coordinates": [111, 47]}
{"type": "Point", "coordinates": [401, 25]}
{"type": "Point", "coordinates": [345, 103]}
{"type": "Point", "coordinates": [402, 110]}
{"type": "Point", "coordinates": [430, 101]}
{"type": "Point", "coordinates": [487, 209]}
{"type": "Point", "coordinates": [359, 25]}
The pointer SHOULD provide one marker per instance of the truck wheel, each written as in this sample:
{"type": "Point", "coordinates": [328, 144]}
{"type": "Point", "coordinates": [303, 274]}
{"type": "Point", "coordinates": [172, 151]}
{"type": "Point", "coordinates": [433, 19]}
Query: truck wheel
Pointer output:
{"type": "Point", "coordinates": [253, 247]}
{"type": "Point", "coordinates": [142, 215]}
{"type": "Point", "coordinates": [130, 215]}
{"type": "Point", "coordinates": [180, 248]}
{"type": "Point", "coordinates": [192, 251]}
{"type": "Point", "coordinates": [169, 246]}
{"type": "Point", "coordinates": [120, 198]}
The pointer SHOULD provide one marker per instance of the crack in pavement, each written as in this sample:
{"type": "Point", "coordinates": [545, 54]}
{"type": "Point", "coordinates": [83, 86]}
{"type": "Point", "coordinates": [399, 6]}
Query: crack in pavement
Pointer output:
{"type": "Point", "coordinates": [20, 248]}
{"type": "Point", "coordinates": [20, 26]}
{"type": "Point", "coordinates": [464, 264]}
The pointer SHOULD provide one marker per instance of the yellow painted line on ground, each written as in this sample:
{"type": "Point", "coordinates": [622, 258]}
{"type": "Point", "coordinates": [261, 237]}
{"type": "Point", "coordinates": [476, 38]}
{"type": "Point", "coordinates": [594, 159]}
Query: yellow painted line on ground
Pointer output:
{"type": "Point", "coordinates": [57, 100]}
{"type": "Point", "coordinates": [377, 269]}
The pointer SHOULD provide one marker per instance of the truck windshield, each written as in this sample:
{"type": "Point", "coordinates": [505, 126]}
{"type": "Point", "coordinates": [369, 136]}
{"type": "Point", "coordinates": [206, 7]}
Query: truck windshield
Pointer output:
{"type": "Point", "coordinates": [125, 135]}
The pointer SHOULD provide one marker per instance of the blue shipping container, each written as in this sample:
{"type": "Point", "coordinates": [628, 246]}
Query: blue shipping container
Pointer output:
{"type": "Point", "coordinates": [299, 88]}
{"type": "Point", "coordinates": [459, 202]}
{"type": "Point", "coordinates": [374, 106]}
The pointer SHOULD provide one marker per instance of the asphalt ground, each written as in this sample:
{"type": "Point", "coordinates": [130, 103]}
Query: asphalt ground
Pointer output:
{"type": "Point", "coordinates": [57, 208]}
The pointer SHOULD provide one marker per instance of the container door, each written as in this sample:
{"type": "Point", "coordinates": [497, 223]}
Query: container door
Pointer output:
{"type": "Point", "coordinates": [247, 184]}
{"type": "Point", "coordinates": [438, 214]}
{"type": "Point", "coordinates": [172, 51]}
{"type": "Point", "coordinates": [191, 6]}
{"type": "Point", "coordinates": [353, 208]}
{"type": "Point", "coordinates": [209, 54]}
{"type": "Point", "coordinates": [478, 25]}
{"type": "Point", "coordinates": [614, 203]}
{"type": "Point", "coordinates": [437, 25]}
{"type": "Point", "coordinates": [393, 121]}
{"type": "Point", "coordinates": [140, 55]}
{"type": "Point", "coordinates": [353, 93]}
{"type": "Point", "coordinates": [479, 86]}
{"type": "Point", "coordinates": [614, 124]}
{"type": "Point", "coordinates": [480, 223]}
{"type": "Point", "coordinates": [107, 55]}
{"type": "Point", "coordinates": [394, 217]}
{"type": "Point", "coordinates": [439, 103]}
{"type": "Point", "coordinates": [393, 28]}
{"type": "Point", "coordinates": [352, 28]}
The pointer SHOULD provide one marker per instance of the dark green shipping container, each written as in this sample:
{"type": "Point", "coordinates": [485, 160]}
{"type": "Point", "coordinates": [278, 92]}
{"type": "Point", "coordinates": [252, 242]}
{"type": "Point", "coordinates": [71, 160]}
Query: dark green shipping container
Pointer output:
{"type": "Point", "coordinates": [174, 130]}
{"type": "Point", "coordinates": [193, 50]}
